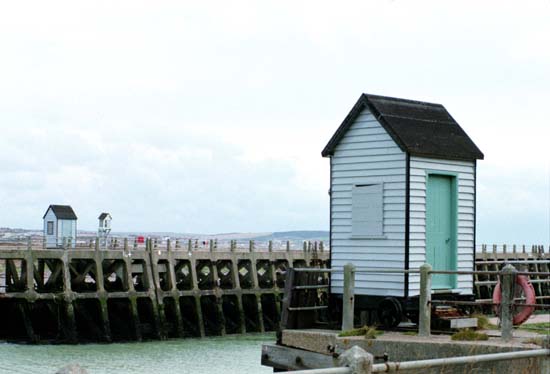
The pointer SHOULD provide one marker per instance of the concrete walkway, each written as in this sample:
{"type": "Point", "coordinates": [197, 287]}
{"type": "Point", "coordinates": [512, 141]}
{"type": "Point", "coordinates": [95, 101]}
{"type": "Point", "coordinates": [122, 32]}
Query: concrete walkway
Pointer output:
{"type": "Point", "coordinates": [535, 318]}
{"type": "Point", "coordinates": [519, 333]}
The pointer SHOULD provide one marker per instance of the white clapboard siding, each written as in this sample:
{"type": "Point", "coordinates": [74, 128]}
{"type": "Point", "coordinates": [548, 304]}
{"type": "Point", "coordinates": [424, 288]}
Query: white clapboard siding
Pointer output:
{"type": "Point", "coordinates": [367, 155]}
{"type": "Point", "coordinates": [51, 240]}
{"type": "Point", "coordinates": [465, 171]}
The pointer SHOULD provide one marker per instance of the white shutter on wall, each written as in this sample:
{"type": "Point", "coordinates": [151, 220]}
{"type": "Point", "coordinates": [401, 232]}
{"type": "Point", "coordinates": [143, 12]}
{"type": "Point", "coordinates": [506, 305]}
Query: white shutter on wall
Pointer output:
{"type": "Point", "coordinates": [367, 210]}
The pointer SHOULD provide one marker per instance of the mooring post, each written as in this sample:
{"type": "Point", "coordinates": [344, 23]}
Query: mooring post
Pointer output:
{"type": "Point", "coordinates": [349, 297]}
{"type": "Point", "coordinates": [357, 360]}
{"type": "Point", "coordinates": [508, 281]}
{"type": "Point", "coordinates": [270, 246]}
{"type": "Point", "coordinates": [288, 245]}
{"type": "Point", "coordinates": [425, 301]}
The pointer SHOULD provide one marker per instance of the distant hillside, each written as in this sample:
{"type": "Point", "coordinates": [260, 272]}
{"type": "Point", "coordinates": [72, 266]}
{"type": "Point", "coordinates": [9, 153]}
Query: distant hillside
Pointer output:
{"type": "Point", "coordinates": [295, 235]}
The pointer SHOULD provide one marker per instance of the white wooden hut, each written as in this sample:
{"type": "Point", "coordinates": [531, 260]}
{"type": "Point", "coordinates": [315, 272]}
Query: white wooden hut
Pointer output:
{"type": "Point", "coordinates": [104, 223]}
{"type": "Point", "coordinates": [402, 192]}
{"type": "Point", "coordinates": [104, 227]}
{"type": "Point", "coordinates": [60, 226]}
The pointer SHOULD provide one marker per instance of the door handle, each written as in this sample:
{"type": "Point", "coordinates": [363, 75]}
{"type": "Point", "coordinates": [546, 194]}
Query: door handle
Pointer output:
{"type": "Point", "coordinates": [447, 241]}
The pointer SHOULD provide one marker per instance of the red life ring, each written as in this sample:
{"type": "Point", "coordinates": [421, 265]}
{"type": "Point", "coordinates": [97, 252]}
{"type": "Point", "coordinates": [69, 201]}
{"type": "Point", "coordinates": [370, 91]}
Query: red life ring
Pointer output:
{"type": "Point", "coordinates": [523, 284]}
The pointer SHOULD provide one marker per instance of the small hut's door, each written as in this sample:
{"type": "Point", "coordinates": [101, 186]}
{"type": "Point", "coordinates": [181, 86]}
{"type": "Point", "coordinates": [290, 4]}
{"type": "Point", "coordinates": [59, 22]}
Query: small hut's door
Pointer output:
{"type": "Point", "coordinates": [440, 228]}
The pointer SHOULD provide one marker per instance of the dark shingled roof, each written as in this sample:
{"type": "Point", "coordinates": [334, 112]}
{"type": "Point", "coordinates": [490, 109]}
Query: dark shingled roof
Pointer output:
{"type": "Point", "coordinates": [62, 211]}
{"type": "Point", "coordinates": [420, 128]}
{"type": "Point", "coordinates": [103, 215]}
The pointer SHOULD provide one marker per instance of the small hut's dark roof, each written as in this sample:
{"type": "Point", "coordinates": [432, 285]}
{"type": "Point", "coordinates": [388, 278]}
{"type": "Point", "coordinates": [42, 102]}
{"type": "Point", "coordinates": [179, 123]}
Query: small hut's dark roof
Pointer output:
{"type": "Point", "coordinates": [103, 215]}
{"type": "Point", "coordinates": [420, 128]}
{"type": "Point", "coordinates": [62, 212]}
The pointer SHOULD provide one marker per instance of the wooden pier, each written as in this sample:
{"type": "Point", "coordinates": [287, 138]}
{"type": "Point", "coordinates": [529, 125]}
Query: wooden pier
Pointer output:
{"type": "Point", "coordinates": [532, 258]}
{"type": "Point", "coordinates": [128, 293]}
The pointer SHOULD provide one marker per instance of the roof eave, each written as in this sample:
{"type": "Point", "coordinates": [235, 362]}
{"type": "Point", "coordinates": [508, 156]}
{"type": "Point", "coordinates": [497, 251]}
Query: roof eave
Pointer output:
{"type": "Point", "coordinates": [447, 157]}
{"type": "Point", "coordinates": [362, 103]}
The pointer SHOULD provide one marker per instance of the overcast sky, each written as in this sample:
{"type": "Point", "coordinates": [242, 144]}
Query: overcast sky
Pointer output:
{"type": "Point", "coordinates": [210, 117]}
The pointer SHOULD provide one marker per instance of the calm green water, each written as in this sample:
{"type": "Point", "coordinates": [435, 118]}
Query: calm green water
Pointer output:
{"type": "Point", "coordinates": [227, 355]}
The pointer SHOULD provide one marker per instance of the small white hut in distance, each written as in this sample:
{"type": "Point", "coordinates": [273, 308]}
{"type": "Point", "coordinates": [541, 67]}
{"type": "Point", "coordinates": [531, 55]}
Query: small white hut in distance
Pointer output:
{"type": "Point", "coordinates": [104, 225]}
{"type": "Point", "coordinates": [402, 192]}
{"type": "Point", "coordinates": [59, 226]}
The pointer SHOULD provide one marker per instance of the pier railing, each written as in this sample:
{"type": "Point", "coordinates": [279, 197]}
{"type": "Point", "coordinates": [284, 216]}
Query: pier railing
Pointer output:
{"type": "Point", "coordinates": [508, 280]}
{"type": "Point", "coordinates": [507, 277]}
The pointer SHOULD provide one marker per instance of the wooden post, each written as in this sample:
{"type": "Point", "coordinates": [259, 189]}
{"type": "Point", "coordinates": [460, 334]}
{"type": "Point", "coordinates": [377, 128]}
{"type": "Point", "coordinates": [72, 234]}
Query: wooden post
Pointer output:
{"type": "Point", "coordinates": [349, 297]}
{"type": "Point", "coordinates": [321, 246]}
{"type": "Point", "coordinates": [288, 245]}
{"type": "Point", "coordinates": [168, 245]}
{"type": "Point", "coordinates": [125, 244]}
{"type": "Point", "coordinates": [251, 246]}
{"type": "Point", "coordinates": [270, 246]}
{"type": "Point", "coordinates": [506, 317]}
{"type": "Point", "coordinates": [287, 302]}
{"type": "Point", "coordinates": [357, 360]}
{"type": "Point", "coordinates": [425, 306]}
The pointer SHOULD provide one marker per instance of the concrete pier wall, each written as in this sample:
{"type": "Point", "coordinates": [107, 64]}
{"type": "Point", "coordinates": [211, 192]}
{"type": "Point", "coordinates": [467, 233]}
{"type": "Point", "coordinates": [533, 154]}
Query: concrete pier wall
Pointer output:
{"type": "Point", "coordinates": [98, 295]}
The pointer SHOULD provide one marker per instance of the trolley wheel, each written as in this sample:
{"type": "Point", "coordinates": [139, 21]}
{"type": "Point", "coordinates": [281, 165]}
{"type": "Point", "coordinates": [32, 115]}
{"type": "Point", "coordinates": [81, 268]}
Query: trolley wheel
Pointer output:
{"type": "Point", "coordinates": [390, 312]}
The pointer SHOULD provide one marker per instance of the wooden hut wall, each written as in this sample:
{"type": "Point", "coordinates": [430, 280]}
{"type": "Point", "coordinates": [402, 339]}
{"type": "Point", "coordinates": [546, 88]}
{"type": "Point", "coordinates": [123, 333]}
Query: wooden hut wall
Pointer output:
{"type": "Point", "coordinates": [367, 155]}
{"type": "Point", "coordinates": [465, 174]}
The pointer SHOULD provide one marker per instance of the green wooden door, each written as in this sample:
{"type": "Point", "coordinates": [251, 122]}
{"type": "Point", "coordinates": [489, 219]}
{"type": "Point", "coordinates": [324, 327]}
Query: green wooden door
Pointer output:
{"type": "Point", "coordinates": [440, 229]}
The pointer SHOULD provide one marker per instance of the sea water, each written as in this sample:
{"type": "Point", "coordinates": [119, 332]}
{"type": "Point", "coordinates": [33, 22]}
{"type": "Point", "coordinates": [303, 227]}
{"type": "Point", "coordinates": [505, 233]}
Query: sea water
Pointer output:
{"type": "Point", "coordinates": [224, 355]}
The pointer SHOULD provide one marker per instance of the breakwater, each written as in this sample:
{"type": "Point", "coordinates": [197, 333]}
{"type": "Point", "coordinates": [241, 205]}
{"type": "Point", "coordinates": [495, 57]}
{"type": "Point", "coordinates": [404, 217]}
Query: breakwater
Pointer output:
{"type": "Point", "coordinates": [92, 294]}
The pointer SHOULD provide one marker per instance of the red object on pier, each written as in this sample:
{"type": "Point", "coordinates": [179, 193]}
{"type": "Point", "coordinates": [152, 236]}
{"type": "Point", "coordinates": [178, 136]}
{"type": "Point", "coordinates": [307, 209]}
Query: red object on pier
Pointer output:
{"type": "Point", "coordinates": [523, 288]}
{"type": "Point", "coordinates": [140, 239]}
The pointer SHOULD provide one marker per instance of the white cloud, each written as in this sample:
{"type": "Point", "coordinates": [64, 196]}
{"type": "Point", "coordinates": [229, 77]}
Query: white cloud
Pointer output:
{"type": "Point", "coordinates": [211, 116]}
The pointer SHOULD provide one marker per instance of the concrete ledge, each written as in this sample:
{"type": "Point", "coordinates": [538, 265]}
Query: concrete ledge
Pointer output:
{"type": "Point", "coordinates": [400, 347]}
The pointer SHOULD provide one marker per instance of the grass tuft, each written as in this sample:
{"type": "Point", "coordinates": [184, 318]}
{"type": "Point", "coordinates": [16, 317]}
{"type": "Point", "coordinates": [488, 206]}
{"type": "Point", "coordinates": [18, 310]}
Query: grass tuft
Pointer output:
{"type": "Point", "coordinates": [483, 322]}
{"type": "Point", "coordinates": [542, 328]}
{"type": "Point", "coordinates": [366, 331]}
{"type": "Point", "coordinates": [537, 341]}
{"type": "Point", "coordinates": [469, 335]}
